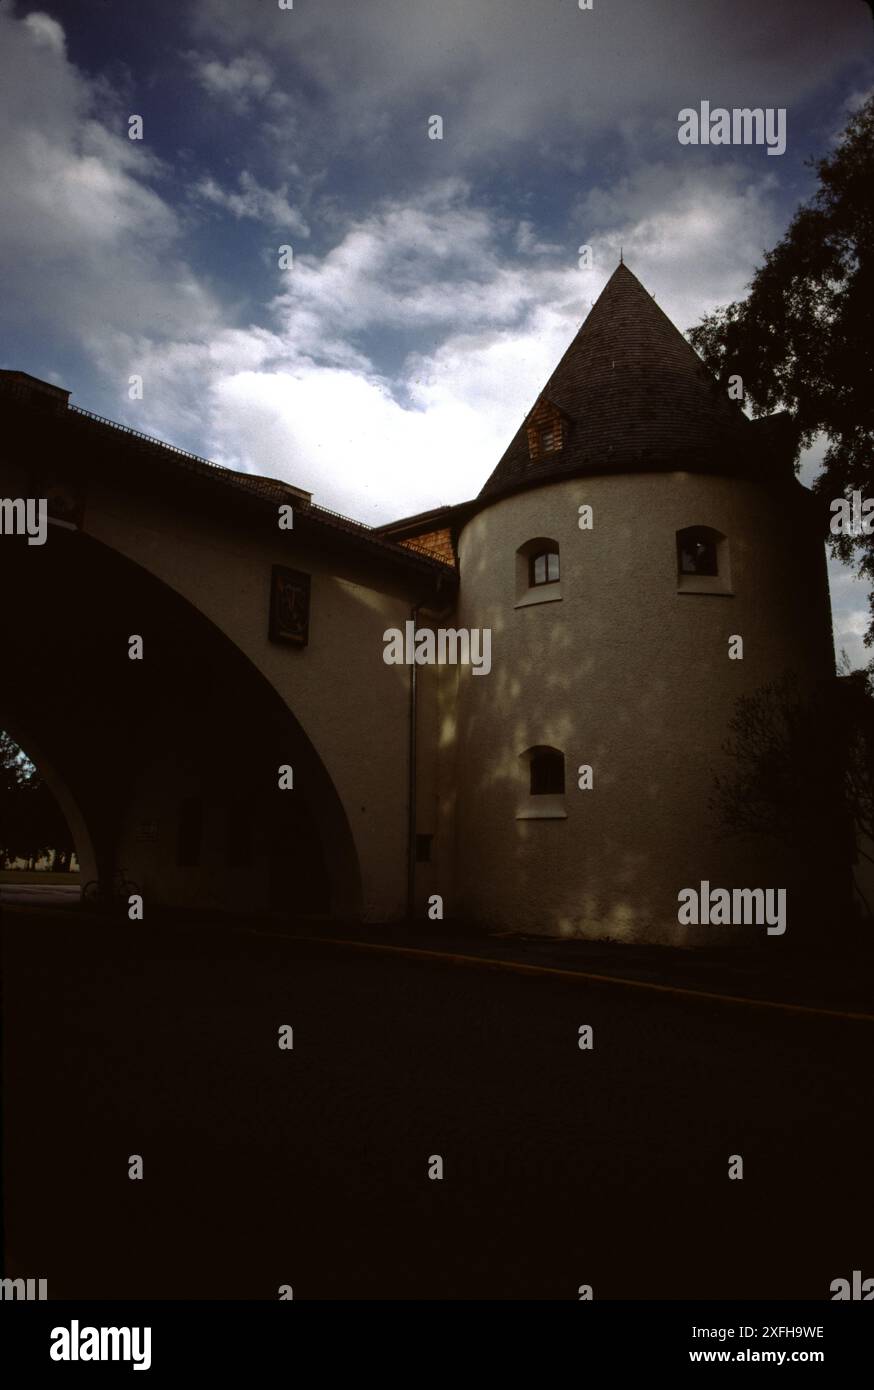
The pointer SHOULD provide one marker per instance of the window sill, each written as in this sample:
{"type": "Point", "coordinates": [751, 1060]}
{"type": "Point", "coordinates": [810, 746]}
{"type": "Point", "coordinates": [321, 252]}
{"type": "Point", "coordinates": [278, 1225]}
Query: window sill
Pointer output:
{"type": "Point", "coordinates": [711, 593]}
{"type": "Point", "coordinates": [704, 584]}
{"type": "Point", "coordinates": [552, 808]}
{"type": "Point", "coordinates": [545, 593]}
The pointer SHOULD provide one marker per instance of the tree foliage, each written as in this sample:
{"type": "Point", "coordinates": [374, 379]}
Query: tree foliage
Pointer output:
{"type": "Point", "coordinates": [803, 338]}
{"type": "Point", "coordinates": [801, 770]}
{"type": "Point", "coordinates": [31, 822]}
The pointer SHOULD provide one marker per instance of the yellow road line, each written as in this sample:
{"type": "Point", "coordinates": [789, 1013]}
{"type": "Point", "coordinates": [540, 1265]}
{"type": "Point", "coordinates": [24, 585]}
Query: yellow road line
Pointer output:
{"type": "Point", "coordinates": [551, 971]}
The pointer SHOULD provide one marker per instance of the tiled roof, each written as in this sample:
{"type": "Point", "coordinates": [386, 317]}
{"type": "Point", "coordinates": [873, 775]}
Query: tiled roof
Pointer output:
{"type": "Point", "coordinates": [636, 395]}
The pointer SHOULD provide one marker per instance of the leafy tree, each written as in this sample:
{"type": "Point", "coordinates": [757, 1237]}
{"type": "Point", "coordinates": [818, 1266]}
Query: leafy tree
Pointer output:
{"type": "Point", "coordinates": [803, 338]}
{"type": "Point", "coordinates": [802, 771]}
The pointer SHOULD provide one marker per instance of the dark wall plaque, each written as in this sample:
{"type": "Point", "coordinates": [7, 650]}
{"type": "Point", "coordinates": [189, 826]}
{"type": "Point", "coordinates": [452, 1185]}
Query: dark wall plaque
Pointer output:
{"type": "Point", "coordinates": [289, 606]}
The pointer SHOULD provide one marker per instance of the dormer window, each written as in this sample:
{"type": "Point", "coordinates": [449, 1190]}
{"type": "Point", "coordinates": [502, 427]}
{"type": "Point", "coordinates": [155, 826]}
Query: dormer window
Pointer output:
{"type": "Point", "coordinates": [551, 438]}
{"type": "Point", "coordinates": [547, 429]}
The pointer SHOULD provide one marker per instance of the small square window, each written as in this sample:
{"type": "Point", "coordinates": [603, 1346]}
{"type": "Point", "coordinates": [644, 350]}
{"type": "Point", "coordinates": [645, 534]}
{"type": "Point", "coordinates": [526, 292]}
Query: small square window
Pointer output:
{"type": "Point", "coordinates": [696, 553]}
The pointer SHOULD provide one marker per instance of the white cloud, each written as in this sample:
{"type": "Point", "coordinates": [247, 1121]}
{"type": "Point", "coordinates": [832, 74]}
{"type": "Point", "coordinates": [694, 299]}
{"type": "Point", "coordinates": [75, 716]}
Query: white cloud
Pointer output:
{"type": "Point", "coordinates": [693, 236]}
{"type": "Point", "coordinates": [46, 31]}
{"type": "Point", "coordinates": [850, 611]}
{"type": "Point", "coordinates": [306, 398]}
{"type": "Point", "coordinates": [240, 82]}
{"type": "Point", "coordinates": [472, 309]}
{"type": "Point", "coordinates": [270, 206]}
{"type": "Point", "coordinates": [505, 71]}
{"type": "Point", "coordinates": [529, 244]}
{"type": "Point", "coordinates": [86, 246]}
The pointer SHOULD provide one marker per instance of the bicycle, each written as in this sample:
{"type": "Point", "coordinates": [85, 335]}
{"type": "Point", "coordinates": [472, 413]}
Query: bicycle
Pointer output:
{"type": "Point", "coordinates": [103, 896]}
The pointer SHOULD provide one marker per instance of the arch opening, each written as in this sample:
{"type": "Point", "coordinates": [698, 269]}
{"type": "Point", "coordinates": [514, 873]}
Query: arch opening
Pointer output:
{"type": "Point", "coordinates": [44, 842]}
{"type": "Point", "coordinates": [132, 743]}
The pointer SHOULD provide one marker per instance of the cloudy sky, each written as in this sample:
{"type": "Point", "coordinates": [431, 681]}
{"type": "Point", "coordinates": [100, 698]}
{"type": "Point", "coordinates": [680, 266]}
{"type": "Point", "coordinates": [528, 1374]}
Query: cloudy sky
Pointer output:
{"type": "Point", "coordinates": [434, 283]}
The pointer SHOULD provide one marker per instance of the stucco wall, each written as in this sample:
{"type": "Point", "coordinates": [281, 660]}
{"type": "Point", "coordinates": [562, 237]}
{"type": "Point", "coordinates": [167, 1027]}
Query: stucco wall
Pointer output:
{"type": "Point", "coordinates": [630, 676]}
{"type": "Point", "coordinates": [623, 673]}
{"type": "Point", "coordinates": [351, 705]}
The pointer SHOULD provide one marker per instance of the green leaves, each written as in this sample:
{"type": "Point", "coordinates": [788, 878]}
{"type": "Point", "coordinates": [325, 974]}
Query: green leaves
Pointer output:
{"type": "Point", "coordinates": [803, 339]}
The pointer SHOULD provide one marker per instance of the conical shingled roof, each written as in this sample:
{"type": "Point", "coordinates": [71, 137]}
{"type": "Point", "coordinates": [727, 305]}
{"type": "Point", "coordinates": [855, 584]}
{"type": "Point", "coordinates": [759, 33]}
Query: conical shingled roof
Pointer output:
{"type": "Point", "coordinates": [636, 396]}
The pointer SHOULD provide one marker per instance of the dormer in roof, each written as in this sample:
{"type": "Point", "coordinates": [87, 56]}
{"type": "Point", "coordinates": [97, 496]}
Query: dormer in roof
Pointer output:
{"type": "Point", "coordinates": [547, 427]}
{"type": "Point", "coordinates": [630, 393]}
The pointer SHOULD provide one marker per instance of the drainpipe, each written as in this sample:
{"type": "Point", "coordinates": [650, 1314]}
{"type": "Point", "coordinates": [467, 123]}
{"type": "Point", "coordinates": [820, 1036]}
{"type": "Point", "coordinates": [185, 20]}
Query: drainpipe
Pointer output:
{"type": "Point", "coordinates": [411, 786]}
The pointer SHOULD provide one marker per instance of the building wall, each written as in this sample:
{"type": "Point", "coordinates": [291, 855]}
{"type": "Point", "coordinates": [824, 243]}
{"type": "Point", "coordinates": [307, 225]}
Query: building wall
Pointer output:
{"type": "Point", "coordinates": [351, 705]}
{"type": "Point", "coordinates": [436, 775]}
{"type": "Point", "coordinates": [622, 672]}
{"type": "Point", "coordinates": [628, 675]}
{"type": "Point", "coordinates": [863, 879]}
{"type": "Point", "coordinates": [437, 543]}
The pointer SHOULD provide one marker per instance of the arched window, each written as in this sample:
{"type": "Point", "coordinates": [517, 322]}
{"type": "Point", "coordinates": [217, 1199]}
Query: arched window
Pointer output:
{"type": "Point", "coordinates": [541, 784]}
{"type": "Point", "coordinates": [547, 772]}
{"type": "Point", "coordinates": [543, 568]}
{"type": "Point", "coordinates": [702, 561]}
{"type": "Point", "coordinates": [697, 550]}
{"type": "Point", "coordinates": [538, 571]}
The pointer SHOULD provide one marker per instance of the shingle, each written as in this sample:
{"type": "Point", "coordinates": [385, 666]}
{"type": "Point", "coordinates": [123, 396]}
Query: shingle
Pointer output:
{"type": "Point", "coordinates": [636, 395]}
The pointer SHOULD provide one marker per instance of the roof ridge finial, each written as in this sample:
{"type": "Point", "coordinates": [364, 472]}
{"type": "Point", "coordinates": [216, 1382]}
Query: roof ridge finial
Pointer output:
{"type": "Point", "coordinates": [621, 262]}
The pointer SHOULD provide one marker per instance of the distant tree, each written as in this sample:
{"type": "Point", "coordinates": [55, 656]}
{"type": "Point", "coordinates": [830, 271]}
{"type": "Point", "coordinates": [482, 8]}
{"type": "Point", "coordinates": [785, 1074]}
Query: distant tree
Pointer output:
{"type": "Point", "coordinates": [802, 771]}
{"type": "Point", "coordinates": [803, 338]}
{"type": "Point", "coordinates": [15, 766]}
{"type": "Point", "coordinates": [15, 773]}
{"type": "Point", "coordinates": [31, 822]}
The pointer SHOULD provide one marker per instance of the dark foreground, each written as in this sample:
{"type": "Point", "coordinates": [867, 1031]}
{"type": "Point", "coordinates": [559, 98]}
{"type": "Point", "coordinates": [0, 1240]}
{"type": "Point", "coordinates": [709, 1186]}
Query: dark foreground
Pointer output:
{"type": "Point", "coordinates": [309, 1168]}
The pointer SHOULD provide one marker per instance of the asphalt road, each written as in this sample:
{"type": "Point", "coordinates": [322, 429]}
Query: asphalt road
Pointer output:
{"type": "Point", "coordinates": [39, 894]}
{"type": "Point", "coordinates": [309, 1167]}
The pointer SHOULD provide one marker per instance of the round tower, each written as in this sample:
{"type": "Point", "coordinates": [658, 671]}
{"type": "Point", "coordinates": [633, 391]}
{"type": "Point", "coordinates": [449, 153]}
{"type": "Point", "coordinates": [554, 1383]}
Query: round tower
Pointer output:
{"type": "Point", "coordinates": [643, 555]}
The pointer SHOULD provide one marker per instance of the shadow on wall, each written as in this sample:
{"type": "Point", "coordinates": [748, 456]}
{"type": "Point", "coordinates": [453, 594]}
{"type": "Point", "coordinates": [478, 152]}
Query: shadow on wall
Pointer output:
{"type": "Point", "coordinates": [167, 768]}
{"type": "Point", "coordinates": [645, 705]}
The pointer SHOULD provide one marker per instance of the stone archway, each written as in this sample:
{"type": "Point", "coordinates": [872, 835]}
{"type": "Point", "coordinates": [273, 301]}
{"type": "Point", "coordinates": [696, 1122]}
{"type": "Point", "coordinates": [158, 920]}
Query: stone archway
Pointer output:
{"type": "Point", "coordinates": [127, 744]}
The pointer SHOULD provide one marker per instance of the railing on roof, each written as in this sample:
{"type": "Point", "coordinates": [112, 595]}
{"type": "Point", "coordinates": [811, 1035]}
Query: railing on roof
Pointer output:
{"type": "Point", "coordinates": [149, 438]}
{"type": "Point", "coordinates": [209, 463]}
{"type": "Point", "coordinates": [341, 516]}
{"type": "Point", "coordinates": [220, 468]}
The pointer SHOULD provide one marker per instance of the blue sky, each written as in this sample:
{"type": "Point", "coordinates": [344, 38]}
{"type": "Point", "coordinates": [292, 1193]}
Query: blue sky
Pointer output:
{"type": "Point", "coordinates": [435, 283]}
